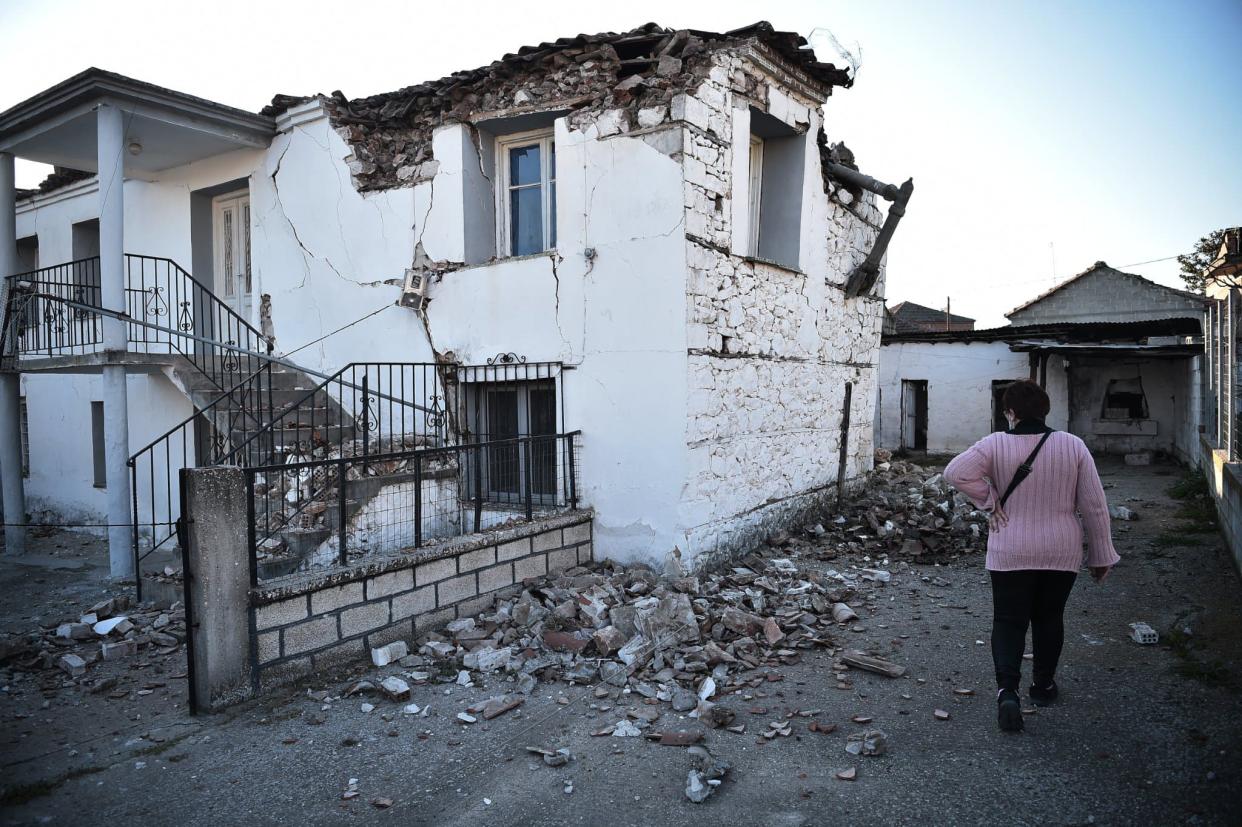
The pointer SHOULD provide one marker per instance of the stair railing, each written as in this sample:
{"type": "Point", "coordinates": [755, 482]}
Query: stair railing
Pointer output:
{"type": "Point", "coordinates": [55, 311]}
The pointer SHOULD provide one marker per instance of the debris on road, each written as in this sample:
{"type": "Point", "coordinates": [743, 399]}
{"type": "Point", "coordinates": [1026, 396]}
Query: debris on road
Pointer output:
{"type": "Point", "coordinates": [390, 653]}
{"type": "Point", "coordinates": [861, 660]}
{"type": "Point", "coordinates": [871, 742]}
{"type": "Point", "coordinates": [1141, 632]}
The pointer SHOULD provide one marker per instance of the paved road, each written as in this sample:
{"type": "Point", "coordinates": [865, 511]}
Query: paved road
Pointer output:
{"type": "Point", "coordinates": [1145, 735]}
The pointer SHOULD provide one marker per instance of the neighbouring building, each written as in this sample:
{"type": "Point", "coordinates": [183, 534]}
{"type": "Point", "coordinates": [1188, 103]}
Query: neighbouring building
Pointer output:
{"type": "Point", "coordinates": [908, 317]}
{"type": "Point", "coordinates": [632, 250]}
{"type": "Point", "coordinates": [1119, 355]}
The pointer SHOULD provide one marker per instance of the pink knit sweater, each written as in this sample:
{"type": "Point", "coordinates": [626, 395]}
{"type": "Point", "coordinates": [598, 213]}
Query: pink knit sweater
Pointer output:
{"type": "Point", "coordinates": [1043, 531]}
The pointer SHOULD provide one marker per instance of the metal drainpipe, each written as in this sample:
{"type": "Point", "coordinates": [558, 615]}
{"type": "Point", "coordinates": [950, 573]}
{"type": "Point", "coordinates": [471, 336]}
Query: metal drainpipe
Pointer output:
{"type": "Point", "coordinates": [864, 276]}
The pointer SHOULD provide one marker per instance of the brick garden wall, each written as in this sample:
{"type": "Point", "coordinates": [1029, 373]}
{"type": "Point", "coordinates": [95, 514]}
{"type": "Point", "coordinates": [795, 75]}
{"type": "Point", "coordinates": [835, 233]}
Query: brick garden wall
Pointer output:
{"type": "Point", "coordinates": [307, 622]}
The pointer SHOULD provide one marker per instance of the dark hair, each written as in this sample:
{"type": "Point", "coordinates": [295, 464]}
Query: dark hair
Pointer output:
{"type": "Point", "coordinates": [1027, 400]}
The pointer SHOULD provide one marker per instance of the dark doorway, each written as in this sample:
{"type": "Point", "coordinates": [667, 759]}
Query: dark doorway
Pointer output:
{"type": "Point", "coordinates": [999, 423]}
{"type": "Point", "coordinates": [914, 414]}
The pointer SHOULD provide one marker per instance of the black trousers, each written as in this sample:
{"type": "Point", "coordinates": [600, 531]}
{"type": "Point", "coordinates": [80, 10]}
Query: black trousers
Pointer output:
{"type": "Point", "coordinates": [1034, 598]}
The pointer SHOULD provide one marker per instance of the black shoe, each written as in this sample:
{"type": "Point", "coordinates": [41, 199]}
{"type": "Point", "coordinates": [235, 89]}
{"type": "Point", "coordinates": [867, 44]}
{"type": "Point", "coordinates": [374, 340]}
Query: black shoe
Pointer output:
{"type": "Point", "coordinates": [1009, 710]}
{"type": "Point", "coordinates": [1045, 696]}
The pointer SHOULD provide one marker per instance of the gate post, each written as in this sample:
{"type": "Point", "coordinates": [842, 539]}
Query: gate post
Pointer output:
{"type": "Point", "coordinates": [217, 585]}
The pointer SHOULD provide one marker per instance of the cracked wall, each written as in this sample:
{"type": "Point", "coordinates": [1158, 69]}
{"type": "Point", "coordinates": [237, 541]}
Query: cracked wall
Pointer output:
{"type": "Point", "coordinates": [329, 255]}
{"type": "Point", "coordinates": [615, 318]}
{"type": "Point", "coordinates": [771, 347]}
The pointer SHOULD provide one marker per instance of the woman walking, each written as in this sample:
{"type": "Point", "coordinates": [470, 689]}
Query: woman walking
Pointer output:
{"type": "Point", "coordinates": [1032, 480]}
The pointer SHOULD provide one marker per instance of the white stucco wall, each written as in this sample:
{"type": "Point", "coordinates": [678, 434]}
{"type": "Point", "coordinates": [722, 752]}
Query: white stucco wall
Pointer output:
{"type": "Point", "coordinates": [959, 389]}
{"type": "Point", "coordinates": [328, 255]}
{"type": "Point", "coordinates": [617, 321]}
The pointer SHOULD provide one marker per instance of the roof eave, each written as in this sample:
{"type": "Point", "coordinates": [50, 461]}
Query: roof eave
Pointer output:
{"type": "Point", "coordinates": [95, 85]}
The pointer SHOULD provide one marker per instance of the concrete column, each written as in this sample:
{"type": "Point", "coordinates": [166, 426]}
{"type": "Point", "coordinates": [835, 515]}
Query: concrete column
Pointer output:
{"type": "Point", "coordinates": [110, 155]}
{"type": "Point", "coordinates": [217, 574]}
{"type": "Point", "coordinates": [14, 495]}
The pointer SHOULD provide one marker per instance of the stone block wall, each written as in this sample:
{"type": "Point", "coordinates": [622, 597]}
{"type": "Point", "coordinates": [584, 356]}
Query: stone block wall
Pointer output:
{"type": "Point", "coordinates": [305, 623]}
{"type": "Point", "coordinates": [770, 347]}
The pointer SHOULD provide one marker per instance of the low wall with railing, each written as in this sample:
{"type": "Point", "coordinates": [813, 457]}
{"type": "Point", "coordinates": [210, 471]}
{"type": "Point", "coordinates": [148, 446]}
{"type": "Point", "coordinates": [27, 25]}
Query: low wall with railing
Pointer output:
{"type": "Point", "coordinates": [305, 623]}
{"type": "Point", "coordinates": [394, 553]}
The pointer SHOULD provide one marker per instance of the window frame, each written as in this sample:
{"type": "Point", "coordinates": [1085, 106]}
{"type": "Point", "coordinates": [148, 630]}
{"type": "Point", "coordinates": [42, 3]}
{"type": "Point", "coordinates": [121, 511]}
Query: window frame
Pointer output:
{"type": "Point", "coordinates": [477, 399]}
{"type": "Point", "coordinates": [99, 459]}
{"type": "Point", "coordinates": [23, 413]}
{"type": "Point", "coordinates": [754, 194]}
{"type": "Point", "coordinates": [545, 139]}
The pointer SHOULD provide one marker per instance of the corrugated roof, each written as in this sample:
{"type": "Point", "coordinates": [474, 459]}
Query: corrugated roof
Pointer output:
{"type": "Point", "coordinates": [1060, 331]}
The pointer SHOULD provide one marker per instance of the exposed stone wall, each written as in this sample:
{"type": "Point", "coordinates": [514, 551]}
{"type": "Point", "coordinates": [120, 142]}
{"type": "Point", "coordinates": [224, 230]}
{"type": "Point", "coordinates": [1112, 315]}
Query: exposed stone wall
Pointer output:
{"type": "Point", "coordinates": [305, 623]}
{"type": "Point", "coordinates": [771, 347]}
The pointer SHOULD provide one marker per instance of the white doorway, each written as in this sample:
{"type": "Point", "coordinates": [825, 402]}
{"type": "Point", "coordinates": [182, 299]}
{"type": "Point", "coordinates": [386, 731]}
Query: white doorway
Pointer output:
{"type": "Point", "coordinates": [234, 283]}
{"type": "Point", "coordinates": [914, 414]}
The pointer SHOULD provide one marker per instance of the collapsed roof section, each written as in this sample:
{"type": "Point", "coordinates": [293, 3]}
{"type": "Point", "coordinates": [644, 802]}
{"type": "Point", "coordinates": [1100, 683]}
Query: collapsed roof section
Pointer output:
{"type": "Point", "coordinates": [642, 69]}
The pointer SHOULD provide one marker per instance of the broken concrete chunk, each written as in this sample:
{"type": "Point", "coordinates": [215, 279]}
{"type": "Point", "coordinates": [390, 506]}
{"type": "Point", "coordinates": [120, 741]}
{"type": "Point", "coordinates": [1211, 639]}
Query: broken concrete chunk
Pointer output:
{"type": "Point", "coordinates": [842, 613]}
{"type": "Point", "coordinates": [871, 742]}
{"type": "Point", "coordinates": [636, 652]}
{"type": "Point", "coordinates": [395, 688]}
{"type": "Point", "coordinates": [74, 631]}
{"type": "Point", "coordinates": [625, 729]}
{"type": "Point", "coordinates": [119, 649]}
{"type": "Point", "coordinates": [1120, 512]}
{"type": "Point", "coordinates": [115, 625]}
{"type": "Point", "coordinates": [390, 653]}
{"type": "Point", "coordinates": [438, 649]}
{"type": "Point", "coordinates": [607, 640]}
{"type": "Point", "coordinates": [487, 659]}
{"type": "Point", "coordinates": [613, 673]}
{"type": "Point", "coordinates": [72, 665]}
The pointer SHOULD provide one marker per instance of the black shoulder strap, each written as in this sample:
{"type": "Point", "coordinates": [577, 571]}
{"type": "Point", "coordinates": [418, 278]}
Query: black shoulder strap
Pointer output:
{"type": "Point", "coordinates": [1024, 470]}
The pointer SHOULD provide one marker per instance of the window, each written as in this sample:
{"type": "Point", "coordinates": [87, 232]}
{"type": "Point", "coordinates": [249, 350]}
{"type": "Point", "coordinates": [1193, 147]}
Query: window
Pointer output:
{"type": "Point", "coordinates": [25, 431]}
{"type": "Point", "coordinates": [1124, 399]}
{"type": "Point", "coordinates": [774, 190]}
{"type": "Point", "coordinates": [509, 411]}
{"type": "Point", "coordinates": [756, 188]}
{"type": "Point", "coordinates": [97, 444]}
{"type": "Point", "coordinates": [527, 197]}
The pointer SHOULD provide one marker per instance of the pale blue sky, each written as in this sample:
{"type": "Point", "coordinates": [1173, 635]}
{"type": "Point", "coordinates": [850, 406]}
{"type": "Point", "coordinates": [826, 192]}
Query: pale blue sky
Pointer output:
{"type": "Point", "coordinates": [1085, 131]}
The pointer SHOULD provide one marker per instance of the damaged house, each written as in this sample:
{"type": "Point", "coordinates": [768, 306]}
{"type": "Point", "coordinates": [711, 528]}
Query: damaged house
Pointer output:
{"type": "Point", "coordinates": [1120, 357]}
{"type": "Point", "coordinates": [624, 275]}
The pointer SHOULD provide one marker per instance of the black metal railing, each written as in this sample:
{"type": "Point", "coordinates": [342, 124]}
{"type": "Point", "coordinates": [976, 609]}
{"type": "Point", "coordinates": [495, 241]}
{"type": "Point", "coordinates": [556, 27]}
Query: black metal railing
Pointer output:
{"type": "Point", "coordinates": [330, 512]}
{"type": "Point", "coordinates": [50, 314]}
{"type": "Point", "coordinates": [364, 408]}
{"type": "Point", "coordinates": [204, 438]}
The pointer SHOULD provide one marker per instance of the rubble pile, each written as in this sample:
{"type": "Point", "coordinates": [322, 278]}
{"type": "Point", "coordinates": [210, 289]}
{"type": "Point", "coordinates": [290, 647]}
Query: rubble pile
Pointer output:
{"type": "Point", "coordinates": [635, 74]}
{"type": "Point", "coordinates": [683, 640]}
{"type": "Point", "coordinates": [109, 630]}
{"type": "Point", "coordinates": [908, 510]}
